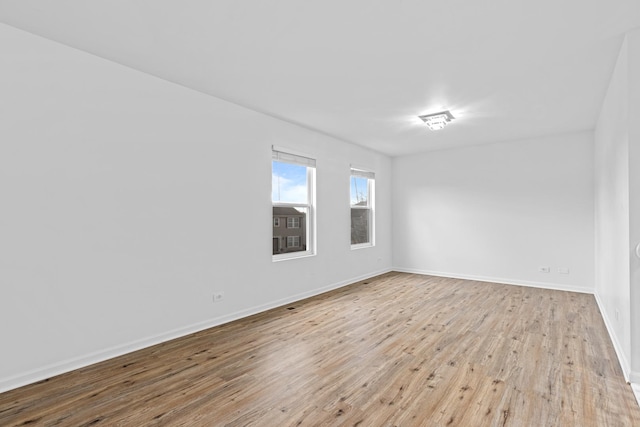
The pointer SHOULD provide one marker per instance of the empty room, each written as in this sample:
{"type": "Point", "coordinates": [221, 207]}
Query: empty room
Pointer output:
{"type": "Point", "coordinates": [357, 213]}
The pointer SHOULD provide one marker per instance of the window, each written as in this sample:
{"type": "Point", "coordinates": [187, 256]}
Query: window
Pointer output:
{"type": "Point", "coordinates": [362, 208]}
{"type": "Point", "coordinates": [293, 241]}
{"type": "Point", "coordinates": [276, 222]}
{"type": "Point", "coordinates": [293, 197]}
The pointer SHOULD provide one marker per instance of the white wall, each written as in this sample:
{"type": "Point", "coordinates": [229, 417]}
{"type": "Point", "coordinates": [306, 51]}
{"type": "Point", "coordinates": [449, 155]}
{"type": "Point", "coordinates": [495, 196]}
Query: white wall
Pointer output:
{"type": "Point", "coordinates": [617, 184]}
{"type": "Point", "coordinates": [633, 39]}
{"type": "Point", "coordinates": [127, 201]}
{"type": "Point", "coordinates": [498, 212]}
{"type": "Point", "coordinates": [612, 210]}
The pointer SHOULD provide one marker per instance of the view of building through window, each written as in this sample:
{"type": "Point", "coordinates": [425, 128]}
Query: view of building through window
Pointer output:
{"type": "Point", "coordinates": [292, 187]}
{"type": "Point", "coordinates": [361, 190]}
{"type": "Point", "coordinates": [291, 199]}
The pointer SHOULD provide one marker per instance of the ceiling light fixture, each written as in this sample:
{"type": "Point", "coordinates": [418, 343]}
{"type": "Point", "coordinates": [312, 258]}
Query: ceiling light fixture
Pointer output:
{"type": "Point", "coordinates": [437, 121]}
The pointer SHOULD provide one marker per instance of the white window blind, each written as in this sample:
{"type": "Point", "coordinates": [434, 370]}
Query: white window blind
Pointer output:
{"type": "Point", "coordinates": [363, 173]}
{"type": "Point", "coordinates": [281, 156]}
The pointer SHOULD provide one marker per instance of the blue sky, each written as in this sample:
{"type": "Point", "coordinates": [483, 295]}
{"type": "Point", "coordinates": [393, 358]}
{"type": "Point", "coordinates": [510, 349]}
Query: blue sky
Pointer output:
{"type": "Point", "coordinates": [288, 183]}
{"type": "Point", "coordinates": [359, 190]}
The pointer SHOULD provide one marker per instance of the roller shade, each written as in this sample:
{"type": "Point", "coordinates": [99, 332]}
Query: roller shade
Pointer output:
{"type": "Point", "coordinates": [362, 173]}
{"type": "Point", "coordinates": [296, 159]}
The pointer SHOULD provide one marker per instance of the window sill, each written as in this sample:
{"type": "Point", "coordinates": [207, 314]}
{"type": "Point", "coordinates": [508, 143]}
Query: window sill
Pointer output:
{"type": "Point", "coordinates": [362, 246]}
{"type": "Point", "coordinates": [287, 257]}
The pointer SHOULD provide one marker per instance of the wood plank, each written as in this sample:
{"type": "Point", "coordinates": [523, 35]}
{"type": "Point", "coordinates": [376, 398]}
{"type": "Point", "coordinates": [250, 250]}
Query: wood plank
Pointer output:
{"type": "Point", "coordinates": [398, 349]}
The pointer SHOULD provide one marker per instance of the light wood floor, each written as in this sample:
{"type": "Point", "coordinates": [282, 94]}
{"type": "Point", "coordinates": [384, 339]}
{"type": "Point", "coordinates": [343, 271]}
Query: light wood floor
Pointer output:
{"type": "Point", "coordinates": [395, 350]}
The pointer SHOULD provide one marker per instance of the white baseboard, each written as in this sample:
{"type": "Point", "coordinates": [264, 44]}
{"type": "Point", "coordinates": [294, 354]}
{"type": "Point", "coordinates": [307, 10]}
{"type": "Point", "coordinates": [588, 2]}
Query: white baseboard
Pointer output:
{"type": "Point", "coordinates": [62, 367]}
{"type": "Point", "coordinates": [543, 285]}
{"type": "Point", "coordinates": [624, 363]}
{"type": "Point", "coordinates": [636, 390]}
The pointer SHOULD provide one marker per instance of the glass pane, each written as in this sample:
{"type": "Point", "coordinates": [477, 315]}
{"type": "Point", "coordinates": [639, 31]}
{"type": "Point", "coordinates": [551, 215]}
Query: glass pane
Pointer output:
{"type": "Point", "coordinates": [288, 183]}
{"type": "Point", "coordinates": [291, 235]}
{"type": "Point", "coordinates": [359, 191]}
{"type": "Point", "coordinates": [359, 226]}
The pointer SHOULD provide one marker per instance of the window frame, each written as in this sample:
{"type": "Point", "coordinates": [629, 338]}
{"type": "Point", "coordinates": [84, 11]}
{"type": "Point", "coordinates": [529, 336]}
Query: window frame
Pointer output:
{"type": "Point", "coordinates": [285, 155]}
{"type": "Point", "coordinates": [370, 207]}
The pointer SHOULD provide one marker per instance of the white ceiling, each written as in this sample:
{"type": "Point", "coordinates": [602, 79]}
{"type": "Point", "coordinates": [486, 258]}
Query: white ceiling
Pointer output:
{"type": "Point", "coordinates": [362, 70]}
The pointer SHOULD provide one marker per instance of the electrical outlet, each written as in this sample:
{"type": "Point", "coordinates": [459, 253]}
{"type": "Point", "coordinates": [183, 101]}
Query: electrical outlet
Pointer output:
{"type": "Point", "coordinates": [544, 269]}
{"type": "Point", "coordinates": [218, 296]}
{"type": "Point", "coordinates": [563, 270]}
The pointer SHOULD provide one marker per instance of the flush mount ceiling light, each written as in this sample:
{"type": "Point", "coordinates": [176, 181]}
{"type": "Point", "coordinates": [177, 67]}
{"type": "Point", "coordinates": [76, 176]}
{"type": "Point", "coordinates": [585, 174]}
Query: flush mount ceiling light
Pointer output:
{"type": "Point", "coordinates": [437, 121]}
